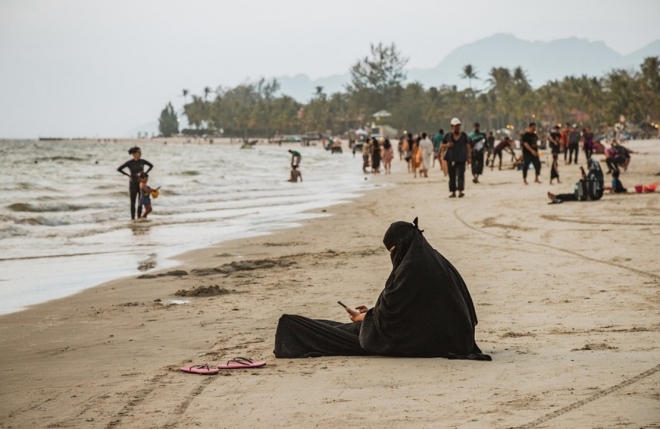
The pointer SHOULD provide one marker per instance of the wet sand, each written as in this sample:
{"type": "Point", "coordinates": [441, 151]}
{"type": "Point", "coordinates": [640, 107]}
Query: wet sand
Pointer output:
{"type": "Point", "coordinates": [568, 300]}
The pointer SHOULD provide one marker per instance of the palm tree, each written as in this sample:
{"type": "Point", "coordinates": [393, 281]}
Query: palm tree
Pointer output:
{"type": "Point", "coordinates": [651, 86]}
{"type": "Point", "coordinates": [207, 91]}
{"type": "Point", "coordinates": [185, 94]}
{"type": "Point", "coordinates": [500, 87]}
{"type": "Point", "coordinates": [469, 73]}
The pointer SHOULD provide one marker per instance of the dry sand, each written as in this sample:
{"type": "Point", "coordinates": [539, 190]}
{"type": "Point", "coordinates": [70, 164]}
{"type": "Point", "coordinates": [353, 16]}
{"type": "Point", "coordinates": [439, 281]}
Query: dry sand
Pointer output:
{"type": "Point", "coordinates": [567, 296]}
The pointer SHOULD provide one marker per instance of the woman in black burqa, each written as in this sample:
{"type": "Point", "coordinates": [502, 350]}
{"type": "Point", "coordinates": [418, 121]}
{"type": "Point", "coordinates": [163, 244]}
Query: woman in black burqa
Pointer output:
{"type": "Point", "coordinates": [425, 310]}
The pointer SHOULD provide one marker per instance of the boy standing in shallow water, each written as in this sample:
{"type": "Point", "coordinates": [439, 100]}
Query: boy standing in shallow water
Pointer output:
{"type": "Point", "coordinates": [145, 194]}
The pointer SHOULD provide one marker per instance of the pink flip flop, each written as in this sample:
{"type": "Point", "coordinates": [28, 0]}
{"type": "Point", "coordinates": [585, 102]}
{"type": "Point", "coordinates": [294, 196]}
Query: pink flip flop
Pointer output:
{"type": "Point", "coordinates": [241, 362]}
{"type": "Point", "coordinates": [200, 369]}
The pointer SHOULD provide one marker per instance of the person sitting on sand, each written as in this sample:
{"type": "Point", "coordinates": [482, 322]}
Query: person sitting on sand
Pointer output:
{"type": "Point", "coordinates": [589, 188]}
{"type": "Point", "coordinates": [145, 194]}
{"type": "Point", "coordinates": [295, 174]}
{"type": "Point", "coordinates": [425, 310]}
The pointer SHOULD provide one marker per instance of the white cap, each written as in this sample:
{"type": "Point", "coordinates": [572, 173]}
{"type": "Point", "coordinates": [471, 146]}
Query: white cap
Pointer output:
{"type": "Point", "coordinates": [455, 121]}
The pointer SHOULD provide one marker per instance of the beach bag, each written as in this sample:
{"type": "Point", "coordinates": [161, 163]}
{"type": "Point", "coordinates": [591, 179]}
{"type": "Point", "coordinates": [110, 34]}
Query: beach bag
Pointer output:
{"type": "Point", "coordinates": [581, 190]}
{"type": "Point", "coordinates": [588, 190]}
{"type": "Point", "coordinates": [594, 191]}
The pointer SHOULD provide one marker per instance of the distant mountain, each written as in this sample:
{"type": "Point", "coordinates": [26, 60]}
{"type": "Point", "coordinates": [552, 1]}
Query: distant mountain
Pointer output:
{"type": "Point", "coordinates": [542, 61]}
{"type": "Point", "coordinates": [302, 88]}
{"type": "Point", "coordinates": [634, 59]}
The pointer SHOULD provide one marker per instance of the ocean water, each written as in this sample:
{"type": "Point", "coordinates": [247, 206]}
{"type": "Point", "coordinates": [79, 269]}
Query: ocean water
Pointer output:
{"type": "Point", "coordinates": [65, 220]}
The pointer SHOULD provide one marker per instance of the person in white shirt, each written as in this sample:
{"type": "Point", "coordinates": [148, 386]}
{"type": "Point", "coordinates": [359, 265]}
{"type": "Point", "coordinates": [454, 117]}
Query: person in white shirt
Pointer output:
{"type": "Point", "coordinates": [426, 146]}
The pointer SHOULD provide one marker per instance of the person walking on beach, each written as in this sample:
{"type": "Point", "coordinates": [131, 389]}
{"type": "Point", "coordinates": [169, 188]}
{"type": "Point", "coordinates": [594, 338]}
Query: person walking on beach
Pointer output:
{"type": "Point", "coordinates": [588, 144]}
{"type": "Point", "coordinates": [437, 141]}
{"type": "Point", "coordinates": [366, 149]}
{"type": "Point", "coordinates": [573, 143]}
{"type": "Point", "coordinates": [388, 156]}
{"type": "Point", "coordinates": [478, 147]}
{"type": "Point", "coordinates": [564, 140]}
{"type": "Point", "coordinates": [555, 145]}
{"type": "Point", "coordinates": [135, 167]}
{"type": "Point", "coordinates": [530, 142]}
{"type": "Point", "coordinates": [426, 146]}
{"type": "Point", "coordinates": [457, 145]}
{"type": "Point", "coordinates": [407, 150]}
{"type": "Point", "coordinates": [554, 169]}
{"type": "Point", "coordinates": [490, 148]}
{"type": "Point", "coordinates": [375, 156]}
{"type": "Point", "coordinates": [416, 161]}
{"type": "Point", "coordinates": [555, 140]}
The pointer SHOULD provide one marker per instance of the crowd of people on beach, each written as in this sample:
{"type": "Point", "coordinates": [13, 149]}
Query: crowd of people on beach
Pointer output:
{"type": "Point", "coordinates": [456, 150]}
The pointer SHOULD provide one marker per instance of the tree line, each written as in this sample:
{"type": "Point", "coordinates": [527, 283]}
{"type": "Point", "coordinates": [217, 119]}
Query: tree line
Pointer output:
{"type": "Point", "coordinates": [508, 100]}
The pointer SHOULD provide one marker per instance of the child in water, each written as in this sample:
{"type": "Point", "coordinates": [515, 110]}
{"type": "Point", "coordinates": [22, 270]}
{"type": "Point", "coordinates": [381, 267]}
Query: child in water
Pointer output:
{"type": "Point", "coordinates": [554, 171]}
{"type": "Point", "coordinates": [145, 194]}
{"type": "Point", "coordinates": [295, 174]}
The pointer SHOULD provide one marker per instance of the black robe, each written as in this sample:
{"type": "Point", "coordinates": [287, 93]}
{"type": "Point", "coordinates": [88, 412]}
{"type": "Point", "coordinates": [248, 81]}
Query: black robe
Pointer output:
{"type": "Point", "coordinates": [425, 310]}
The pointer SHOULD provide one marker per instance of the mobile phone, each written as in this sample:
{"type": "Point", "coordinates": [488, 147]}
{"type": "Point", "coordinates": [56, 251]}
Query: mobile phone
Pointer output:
{"type": "Point", "coordinates": [350, 310]}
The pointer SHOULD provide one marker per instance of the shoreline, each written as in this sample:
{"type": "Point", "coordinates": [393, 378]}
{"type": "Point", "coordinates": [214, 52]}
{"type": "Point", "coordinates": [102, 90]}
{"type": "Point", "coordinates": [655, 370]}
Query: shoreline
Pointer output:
{"type": "Point", "coordinates": [567, 307]}
{"type": "Point", "coordinates": [80, 259]}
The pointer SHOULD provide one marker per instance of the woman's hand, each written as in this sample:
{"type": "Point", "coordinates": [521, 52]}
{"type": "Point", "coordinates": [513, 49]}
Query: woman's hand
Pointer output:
{"type": "Point", "coordinates": [355, 316]}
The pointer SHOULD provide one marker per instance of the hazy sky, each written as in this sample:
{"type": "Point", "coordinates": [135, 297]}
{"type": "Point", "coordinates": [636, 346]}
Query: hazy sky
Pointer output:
{"type": "Point", "coordinates": [103, 67]}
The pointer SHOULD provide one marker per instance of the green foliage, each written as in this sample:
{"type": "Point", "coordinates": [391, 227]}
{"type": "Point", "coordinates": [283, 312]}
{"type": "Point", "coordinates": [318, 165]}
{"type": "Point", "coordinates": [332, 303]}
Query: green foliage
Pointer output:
{"type": "Point", "coordinates": [376, 80]}
{"type": "Point", "coordinates": [168, 124]}
{"type": "Point", "coordinates": [255, 109]}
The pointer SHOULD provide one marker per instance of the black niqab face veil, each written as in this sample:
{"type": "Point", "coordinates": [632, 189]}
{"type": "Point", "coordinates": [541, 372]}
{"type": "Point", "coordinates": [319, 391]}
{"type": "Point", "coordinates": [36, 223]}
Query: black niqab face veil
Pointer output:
{"type": "Point", "coordinates": [400, 235]}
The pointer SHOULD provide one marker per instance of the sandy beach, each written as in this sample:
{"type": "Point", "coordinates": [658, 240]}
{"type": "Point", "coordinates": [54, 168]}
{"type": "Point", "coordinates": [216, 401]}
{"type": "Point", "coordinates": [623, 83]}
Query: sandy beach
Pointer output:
{"type": "Point", "coordinates": [567, 296]}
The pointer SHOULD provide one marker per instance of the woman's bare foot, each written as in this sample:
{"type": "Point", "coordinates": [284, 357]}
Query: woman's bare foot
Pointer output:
{"type": "Point", "coordinates": [551, 196]}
